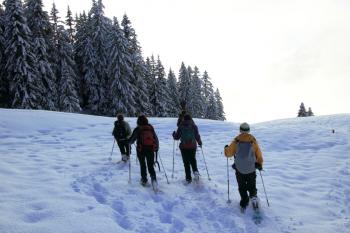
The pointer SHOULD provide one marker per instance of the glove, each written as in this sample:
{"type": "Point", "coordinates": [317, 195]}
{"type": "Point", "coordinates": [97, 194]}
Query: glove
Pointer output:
{"type": "Point", "coordinates": [258, 166]}
{"type": "Point", "coordinates": [234, 166]}
{"type": "Point", "coordinates": [174, 134]}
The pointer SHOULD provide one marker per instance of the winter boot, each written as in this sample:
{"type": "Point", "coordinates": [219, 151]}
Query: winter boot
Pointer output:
{"type": "Point", "coordinates": [196, 176]}
{"type": "Point", "coordinates": [255, 202]}
{"type": "Point", "coordinates": [155, 185]}
{"type": "Point", "coordinates": [143, 182]}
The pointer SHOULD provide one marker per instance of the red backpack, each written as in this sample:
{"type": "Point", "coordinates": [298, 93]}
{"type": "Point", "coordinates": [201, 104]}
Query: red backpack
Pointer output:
{"type": "Point", "coordinates": [147, 139]}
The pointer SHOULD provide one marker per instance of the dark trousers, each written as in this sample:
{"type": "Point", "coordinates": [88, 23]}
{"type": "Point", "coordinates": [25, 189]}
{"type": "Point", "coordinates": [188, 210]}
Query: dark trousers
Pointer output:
{"type": "Point", "coordinates": [146, 156]}
{"type": "Point", "coordinates": [189, 160]}
{"type": "Point", "coordinates": [124, 147]}
{"type": "Point", "coordinates": [246, 183]}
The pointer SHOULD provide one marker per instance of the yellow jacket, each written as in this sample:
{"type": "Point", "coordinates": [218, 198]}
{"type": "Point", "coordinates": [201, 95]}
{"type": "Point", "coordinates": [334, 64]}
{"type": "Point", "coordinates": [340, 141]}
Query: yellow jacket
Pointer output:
{"type": "Point", "coordinates": [245, 137]}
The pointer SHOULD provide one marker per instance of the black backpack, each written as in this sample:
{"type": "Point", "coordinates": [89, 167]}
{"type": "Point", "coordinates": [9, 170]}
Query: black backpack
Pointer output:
{"type": "Point", "coordinates": [119, 130]}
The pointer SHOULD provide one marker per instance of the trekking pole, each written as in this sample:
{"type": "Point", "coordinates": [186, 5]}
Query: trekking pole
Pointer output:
{"type": "Point", "coordinates": [129, 166]}
{"type": "Point", "coordinates": [205, 164]}
{"type": "Point", "coordinates": [228, 181]}
{"type": "Point", "coordinates": [172, 174]}
{"type": "Point", "coordinates": [110, 157]}
{"type": "Point", "coordinates": [267, 200]}
{"type": "Point", "coordinates": [161, 162]}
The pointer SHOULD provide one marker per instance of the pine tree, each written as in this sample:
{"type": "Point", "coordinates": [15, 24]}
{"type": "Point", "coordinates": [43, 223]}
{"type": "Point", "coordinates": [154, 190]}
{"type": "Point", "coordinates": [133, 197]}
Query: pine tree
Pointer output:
{"type": "Point", "coordinates": [70, 25]}
{"type": "Point", "coordinates": [38, 22]}
{"type": "Point", "coordinates": [212, 108]}
{"type": "Point", "coordinates": [184, 84]}
{"type": "Point", "coordinates": [220, 106]}
{"type": "Point", "coordinates": [161, 98]}
{"type": "Point", "coordinates": [55, 20]}
{"type": "Point", "coordinates": [208, 92]}
{"type": "Point", "coordinates": [90, 80]}
{"type": "Point", "coordinates": [4, 87]}
{"type": "Point", "coordinates": [80, 39]}
{"type": "Point", "coordinates": [99, 27]}
{"type": "Point", "coordinates": [302, 111]}
{"type": "Point", "coordinates": [174, 103]}
{"type": "Point", "coordinates": [120, 94]}
{"type": "Point", "coordinates": [309, 112]}
{"type": "Point", "coordinates": [138, 67]}
{"type": "Point", "coordinates": [198, 103]}
{"type": "Point", "coordinates": [25, 88]}
{"type": "Point", "coordinates": [68, 95]}
{"type": "Point", "coordinates": [150, 77]}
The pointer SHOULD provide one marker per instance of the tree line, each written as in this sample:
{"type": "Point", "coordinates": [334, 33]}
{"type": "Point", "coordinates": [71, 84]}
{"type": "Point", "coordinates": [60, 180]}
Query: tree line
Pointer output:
{"type": "Point", "coordinates": [91, 64]}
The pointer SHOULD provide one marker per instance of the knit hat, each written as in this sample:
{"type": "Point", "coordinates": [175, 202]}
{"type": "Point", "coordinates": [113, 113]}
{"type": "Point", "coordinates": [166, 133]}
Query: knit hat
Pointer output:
{"type": "Point", "coordinates": [244, 128]}
{"type": "Point", "coordinates": [120, 117]}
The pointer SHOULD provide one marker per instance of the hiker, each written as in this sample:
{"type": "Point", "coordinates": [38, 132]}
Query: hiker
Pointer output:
{"type": "Point", "coordinates": [248, 157]}
{"type": "Point", "coordinates": [121, 133]}
{"type": "Point", "coordinates": [187, 132]}
{"type": "Point", "coordinates": [147, 143]}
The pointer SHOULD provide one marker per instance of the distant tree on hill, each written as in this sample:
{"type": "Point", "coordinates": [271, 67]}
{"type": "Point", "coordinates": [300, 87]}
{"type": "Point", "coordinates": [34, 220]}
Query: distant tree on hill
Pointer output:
{"type": "Point", "coordinates": [302, 110]}
{"type": "Point", "coordinates": [303, 113]}
{"type": "Point", "coordinates": [309, 112]}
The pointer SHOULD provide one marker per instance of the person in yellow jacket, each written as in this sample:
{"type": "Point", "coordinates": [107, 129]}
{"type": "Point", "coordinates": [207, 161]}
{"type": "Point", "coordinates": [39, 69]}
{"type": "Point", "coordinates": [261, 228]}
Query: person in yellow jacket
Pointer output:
{"type": "Point", "coordinates": [248, 157]}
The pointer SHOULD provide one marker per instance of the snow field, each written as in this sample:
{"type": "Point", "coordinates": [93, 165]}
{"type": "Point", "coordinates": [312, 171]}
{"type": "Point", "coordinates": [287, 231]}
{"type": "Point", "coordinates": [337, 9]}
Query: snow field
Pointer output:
{"type": "Point", "coordinates": [56, 177]}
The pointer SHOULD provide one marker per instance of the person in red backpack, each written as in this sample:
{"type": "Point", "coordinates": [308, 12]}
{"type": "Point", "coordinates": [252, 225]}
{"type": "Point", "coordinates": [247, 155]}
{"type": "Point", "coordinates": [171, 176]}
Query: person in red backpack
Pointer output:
{"type": "Point", "coordinates": [147, 144]}
{"type": "Point", "coordinates": [187, 132]}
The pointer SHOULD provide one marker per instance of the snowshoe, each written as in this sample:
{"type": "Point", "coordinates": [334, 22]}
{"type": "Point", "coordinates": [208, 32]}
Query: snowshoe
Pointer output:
{"type": "Point", "coordinates": [257, 217]}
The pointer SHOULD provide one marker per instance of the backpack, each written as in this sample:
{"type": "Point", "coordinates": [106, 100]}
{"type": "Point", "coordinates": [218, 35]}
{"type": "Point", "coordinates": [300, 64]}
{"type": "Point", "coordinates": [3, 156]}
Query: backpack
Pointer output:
{"type": "Point", "coordinates": [245, 157]}
{"type": "Point", "coordinates": [147, 140]}
{"type": "Point", "coordinates": [120, 130]}
{"type": "Point", "coordinates": [188, 140]}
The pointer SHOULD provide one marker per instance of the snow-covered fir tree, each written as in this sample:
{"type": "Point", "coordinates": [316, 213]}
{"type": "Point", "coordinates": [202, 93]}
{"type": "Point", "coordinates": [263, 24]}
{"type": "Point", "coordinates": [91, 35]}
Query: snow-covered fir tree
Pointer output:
{"type": "Point", "coordinates": [25, 88]}
{"type": "Point", "coordinates": [190, 100]}
{"type": "Point", "coordinates": [174, 103]}
{"type": "Point", "coordinates": [138, 67]}
{"type": "Point", "coordinates": [150, 78]}
{"type": "Point", "coordinates": [38, 22]}
{"type": "Point", "coordinates": [55, 20]}
{"type": "Point", "coordinates": [302, 111]}
{"type": "Point", "coordinates": [198, 103]}
{"type": "Point", "coordinates": [68, 95]}
{"type": "Point", "coordinates": [99, 27]}
{"type": "Point", "coordinates": [161, 98]}
{"type": "Point", "coordinates": [220, 107]}
{"type": "Point", "coordinates": [184, 85]}
{"type": "Point", "coordinates": [212, 108]}
{"type": "Point", "coordinates": [4, 88]}
{"type": "Point", "coordinates": [309, 112]}
{"type": "Point", "coordinates": [80, 39]}
{"type": "Point", "coordinates": [70, 25]}
{"type": "Point", "coordinates": [90, 80]}
{"type": "Point", "coordinates": [208, 92]}
{"type": "Point", "coordinates": [121, 92]}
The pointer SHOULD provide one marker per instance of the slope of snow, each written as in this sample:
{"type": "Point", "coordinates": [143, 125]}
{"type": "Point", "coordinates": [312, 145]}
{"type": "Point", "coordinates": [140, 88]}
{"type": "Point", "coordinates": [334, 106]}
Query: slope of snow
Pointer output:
{"type": "Point", "coordinates": [56, 177]}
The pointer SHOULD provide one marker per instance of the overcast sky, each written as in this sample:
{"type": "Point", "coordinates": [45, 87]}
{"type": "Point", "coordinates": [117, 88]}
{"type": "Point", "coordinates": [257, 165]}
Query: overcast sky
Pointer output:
{"type": "Point", "coordinates": [265, 56]}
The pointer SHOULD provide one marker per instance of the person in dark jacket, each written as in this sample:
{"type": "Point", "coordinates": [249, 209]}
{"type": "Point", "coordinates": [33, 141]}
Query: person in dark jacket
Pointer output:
{"type": "Point", "coordinates": [187, 133]}
{"type": "Point", "coordinates": [121, 133]}
{"type": "Point", "coordinates": [147, 144]}
{"type": "Point", "coordinates": [248, 157]}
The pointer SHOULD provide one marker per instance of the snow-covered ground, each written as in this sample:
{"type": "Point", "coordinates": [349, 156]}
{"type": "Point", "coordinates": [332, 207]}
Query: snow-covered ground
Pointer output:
{"type": "Point", "coordinates": [56, 177]}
